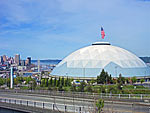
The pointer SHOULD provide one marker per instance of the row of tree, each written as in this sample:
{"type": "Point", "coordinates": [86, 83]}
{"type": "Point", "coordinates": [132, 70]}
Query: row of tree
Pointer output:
{"type": "Point", "coordinates": [105, 78]}
{"type": "Point", "coordinates": [56, 82]}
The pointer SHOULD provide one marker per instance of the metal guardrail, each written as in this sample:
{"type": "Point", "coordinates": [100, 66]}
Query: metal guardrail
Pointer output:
{"type": "Point", "coordinates": [109, 107]}
{"type": "Point", "coordinates": [48, 105]}
{"type": "Point", "coordinates": [82, 94]}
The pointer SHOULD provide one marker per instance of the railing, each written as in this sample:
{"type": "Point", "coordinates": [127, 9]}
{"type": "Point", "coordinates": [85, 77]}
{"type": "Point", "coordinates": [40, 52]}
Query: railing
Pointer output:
{"type": "Point", "coordinates": [85, 95]}
{"type": "Point", "coordinates": [48, 105]}
{"type": "Point", "coordinates": [109, 107]}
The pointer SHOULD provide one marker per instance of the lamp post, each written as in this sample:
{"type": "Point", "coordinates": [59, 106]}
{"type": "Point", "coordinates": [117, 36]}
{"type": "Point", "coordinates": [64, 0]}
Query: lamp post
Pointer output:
{"type": "Point", "coordinates": [11, 78]}
{"type": "Point", "coordinates": [116, 70]}
{"type": "Point", "coordinates": [84, 73]}
{"type": "Point", "coordinates": [66, 75]}
{"type": "Point", "coordinates": [106, 86]}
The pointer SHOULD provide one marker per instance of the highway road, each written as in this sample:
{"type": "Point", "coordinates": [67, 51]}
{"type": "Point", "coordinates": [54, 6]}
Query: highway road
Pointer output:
{"type": "Point", "coordinates": [73, 104]}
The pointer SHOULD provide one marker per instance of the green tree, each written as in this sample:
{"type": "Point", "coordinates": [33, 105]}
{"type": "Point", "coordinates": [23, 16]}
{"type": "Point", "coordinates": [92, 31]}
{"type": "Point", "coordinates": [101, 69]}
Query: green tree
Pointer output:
{"type": "Point", "coordinates": [92, 81]}
{"type": "Point", "coordinates": [82, 86]}
{"type": "Point", "coordinates": [69, 81]}
{"type": "Point", "coordinates": [28, 79]}
{"type": "Point", "coordinates": [121, 80]}
{"type": "Point", "coordinates": [55, 81]}
{"type": "Point", "coordinates": [127, 80]}
{"type": "Point", "coordinates": [60, 88]}
{"type": "Point", "coordinates": [142, 80]}
{"type": "Point", "coordinates": [62, 81]}
{"type": "Point", "coordinates": [100, 105]}
{"type": "Point", "coordinates": [103, 78]}
{"type": "Point", "coordinates": [89, 88]}
{"type": "Point", "coordinates": [73, 87]}
{"type": "Point", "coordinates": [51, 81]}
{"type": "Point", "coordinates": [42, 82]}
{"type": "Point", "coordinates": [2, 81]}
{"type": "Point", "coordinates": [58, 82]}
{"type": "Point", "coordinates": [65, 82]}
{"type": "Point", "coordinates": [46, 82]}
{"type": "Point", "coordinates": [133, 79]}
{"type": "Point", "coordinates": [19, 80]}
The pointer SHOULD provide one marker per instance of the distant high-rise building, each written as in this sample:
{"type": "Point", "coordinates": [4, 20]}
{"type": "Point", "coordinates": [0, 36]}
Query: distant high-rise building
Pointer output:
{"type": "Point", "coordinates": [4, 58]}
{"type": "Point", "coordinates": [1, 60]}
{"type": "Point", "coordinates": [28, 61]}
{"type": "Point", "coordinates": [17, 59]}
{"type": "Point", "coordinates": [12, 60]}
{"type": "Point", "coordinates": [22, 62]}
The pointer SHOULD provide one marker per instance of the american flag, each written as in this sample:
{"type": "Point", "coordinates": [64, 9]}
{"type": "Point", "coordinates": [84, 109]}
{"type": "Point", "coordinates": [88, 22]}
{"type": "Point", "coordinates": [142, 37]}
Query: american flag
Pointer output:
{"type": "Point", "coordinates": [102, 33]}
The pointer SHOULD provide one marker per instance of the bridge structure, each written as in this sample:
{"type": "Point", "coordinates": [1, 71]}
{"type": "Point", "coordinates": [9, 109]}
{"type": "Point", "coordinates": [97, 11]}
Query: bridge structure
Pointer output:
{"type": "Point", "coordinates": [50, 101]}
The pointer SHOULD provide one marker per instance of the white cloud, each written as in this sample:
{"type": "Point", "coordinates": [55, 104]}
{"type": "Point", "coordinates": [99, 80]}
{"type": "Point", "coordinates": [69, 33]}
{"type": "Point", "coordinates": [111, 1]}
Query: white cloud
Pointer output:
{"type": "Point", "coordinates": [75, 21]}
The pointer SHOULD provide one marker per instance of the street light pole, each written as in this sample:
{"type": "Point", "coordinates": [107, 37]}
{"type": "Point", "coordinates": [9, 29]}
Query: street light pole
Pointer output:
{"type": "Point", "coordinates": [116, 70]}
{"type": "Point", "coordinates": [84, 73]}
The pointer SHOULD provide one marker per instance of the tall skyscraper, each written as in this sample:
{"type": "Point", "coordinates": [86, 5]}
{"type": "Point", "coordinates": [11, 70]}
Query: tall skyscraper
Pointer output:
{"type": "Point", "coordinates": [28, 61]}
{"type": "Point", "coordinates": [4, 58]}
{"type": "Point", "coordinates": [1, 59]}
{"type": "Point", "coordinates": [17, 59]}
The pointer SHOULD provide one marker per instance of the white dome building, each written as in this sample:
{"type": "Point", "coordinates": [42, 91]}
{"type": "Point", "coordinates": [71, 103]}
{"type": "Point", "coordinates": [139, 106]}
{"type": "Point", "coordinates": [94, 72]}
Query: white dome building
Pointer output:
{"type": "Point", "coordinates": [89, 62]}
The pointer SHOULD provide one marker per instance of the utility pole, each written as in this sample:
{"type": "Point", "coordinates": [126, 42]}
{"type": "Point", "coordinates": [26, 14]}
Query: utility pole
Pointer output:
{"type": "Point", "coordinates": [11, 78]}
{"type": "Point", "coordinates": [38, 65]}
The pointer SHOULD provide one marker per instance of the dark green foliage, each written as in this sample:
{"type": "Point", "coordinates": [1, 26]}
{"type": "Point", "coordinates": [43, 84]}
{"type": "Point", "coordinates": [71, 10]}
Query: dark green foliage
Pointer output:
{"type": "Point", "coordinates": [42, 83]}
{"type": "Point", "coordinates": [28, 79]}
{"type": "Point", "coordinates": [100, 105]}
{"type": "Point", "coordinates": [92, 81]}
{"type": "Point", "coordinates": [133, 79]}
{"type": "Point", "coordinates": [102, 89]}
{"type": "Point", "coordinates": [66, 82]}
{"type": "Point", "coordinates": [2, 81]}
{"type": "Point", "coordinates": [60, 88]}
{"type": "Point", "coordinates": [73, 87]}
{"type": "Point", "coordinates": [55, 81]}
{"type": "Point", "coordinates": [58, 82]}
{"type": "Point", "coordinates": [46, 82]}
{"type": "Point", "coordinates": [89, 88]}
{"type": "Point", "coordinates": [127, 80]}
{"type": "Point", "coordinates": [51, 82]}
{"type": "Point", "coordinates": [142, 80]}
{"type": "Point", "coordinates": [104, 78]}
{"type": "Point", "coordinates": [62, 81]}
{"type": "Point", "coordinates": [19, 79]}
{"type": "Point", "coordinates": [81, 86]}
{"type": "Point", "coordinates": [69, 82]}
{"type": "Point", "coordinates": [121, 80]}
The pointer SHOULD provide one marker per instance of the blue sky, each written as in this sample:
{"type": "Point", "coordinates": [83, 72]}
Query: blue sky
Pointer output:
{"type": "Point", "coordinates": [51, 29]}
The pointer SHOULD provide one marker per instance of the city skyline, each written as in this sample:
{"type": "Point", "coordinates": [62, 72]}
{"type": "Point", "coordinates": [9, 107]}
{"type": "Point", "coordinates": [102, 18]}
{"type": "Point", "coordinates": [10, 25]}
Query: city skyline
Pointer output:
{"type": "Point", "coordinates": [55, 28]}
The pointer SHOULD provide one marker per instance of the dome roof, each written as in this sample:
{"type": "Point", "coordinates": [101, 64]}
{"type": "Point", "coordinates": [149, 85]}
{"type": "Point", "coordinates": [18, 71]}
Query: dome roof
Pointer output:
{"type": "Point", "coordinates": [100, 55]}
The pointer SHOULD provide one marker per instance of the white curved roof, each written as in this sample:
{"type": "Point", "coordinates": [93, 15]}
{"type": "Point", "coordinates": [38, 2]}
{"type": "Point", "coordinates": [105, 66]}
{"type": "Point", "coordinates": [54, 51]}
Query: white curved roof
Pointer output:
{"type": "Point", "coordinates": [99, 56]}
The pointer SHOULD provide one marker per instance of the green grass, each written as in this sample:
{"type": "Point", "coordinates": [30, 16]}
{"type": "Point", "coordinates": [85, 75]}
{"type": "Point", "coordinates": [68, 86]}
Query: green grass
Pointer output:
{"type": "Point", "coordinates": [126, 89]}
